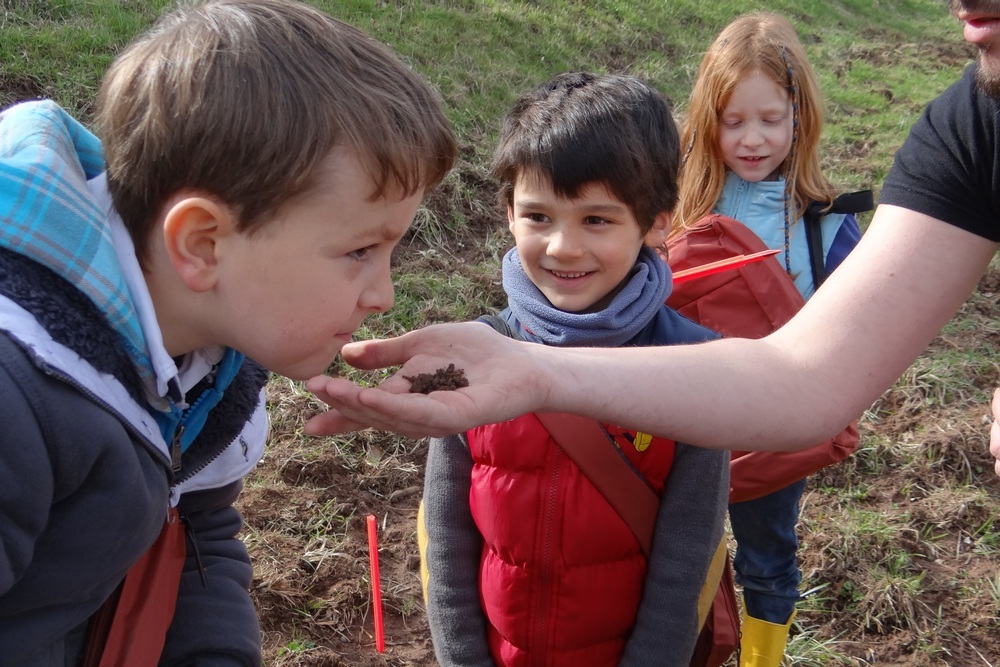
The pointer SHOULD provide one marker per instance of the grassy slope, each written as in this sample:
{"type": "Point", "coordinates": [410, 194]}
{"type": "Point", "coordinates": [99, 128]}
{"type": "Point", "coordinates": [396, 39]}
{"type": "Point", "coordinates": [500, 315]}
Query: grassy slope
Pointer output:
{"type": "Point", "coordinates": [899, 543]}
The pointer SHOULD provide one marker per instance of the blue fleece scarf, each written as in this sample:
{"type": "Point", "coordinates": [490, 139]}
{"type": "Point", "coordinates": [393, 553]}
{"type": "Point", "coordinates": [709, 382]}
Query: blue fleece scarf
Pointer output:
{"type": "Point", "coordinates": [632, 308]}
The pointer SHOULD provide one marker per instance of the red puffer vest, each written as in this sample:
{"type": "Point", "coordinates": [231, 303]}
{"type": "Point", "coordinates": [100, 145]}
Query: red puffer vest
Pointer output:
{"type": "Point", "coordinates": [561, 575]}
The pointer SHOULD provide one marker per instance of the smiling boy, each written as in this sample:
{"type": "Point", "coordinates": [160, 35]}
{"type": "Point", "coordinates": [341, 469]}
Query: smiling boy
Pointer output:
{"type": "Point", "coordinates": [258, 161]}
{"type": "Point", "coordinates": [577, 251]}
{"type": "Point", "coordinates": [526, 561]}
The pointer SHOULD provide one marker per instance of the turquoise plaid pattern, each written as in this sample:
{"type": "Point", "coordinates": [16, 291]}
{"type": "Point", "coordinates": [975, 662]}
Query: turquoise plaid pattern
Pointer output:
{"type": "Point", "coordinates": [46, 158]}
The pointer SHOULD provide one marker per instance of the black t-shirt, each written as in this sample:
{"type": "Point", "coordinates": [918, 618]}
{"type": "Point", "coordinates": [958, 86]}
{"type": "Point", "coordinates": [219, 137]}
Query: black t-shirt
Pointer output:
{"type": "Point", "coordinates": [949, 166]}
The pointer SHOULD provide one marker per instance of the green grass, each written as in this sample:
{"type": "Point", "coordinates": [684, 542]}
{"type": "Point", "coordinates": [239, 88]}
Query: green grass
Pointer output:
{"type": "Point", "coordinates": [871, 57]}
{"type": "Point", "coordinates": [871, 62]}
{"type": "Point", "coordinates": [60, 48]}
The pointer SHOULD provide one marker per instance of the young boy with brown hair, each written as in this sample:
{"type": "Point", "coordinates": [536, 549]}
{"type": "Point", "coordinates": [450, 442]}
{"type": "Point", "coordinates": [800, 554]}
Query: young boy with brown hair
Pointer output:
{"type": "Point", "coordinates": [526, 561]}
{"type": "Point", "coordinates": [258, 161]}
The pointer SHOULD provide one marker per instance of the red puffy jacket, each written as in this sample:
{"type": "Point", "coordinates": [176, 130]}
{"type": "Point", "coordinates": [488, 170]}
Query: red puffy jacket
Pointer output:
{"type": "Point", "coordinates": [561, 575]}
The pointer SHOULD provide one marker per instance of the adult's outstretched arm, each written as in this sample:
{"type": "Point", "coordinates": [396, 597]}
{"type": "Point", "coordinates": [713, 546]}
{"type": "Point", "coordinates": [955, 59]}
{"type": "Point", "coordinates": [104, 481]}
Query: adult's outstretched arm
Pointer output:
{"type": "Point", "coordinates": [854, 338]}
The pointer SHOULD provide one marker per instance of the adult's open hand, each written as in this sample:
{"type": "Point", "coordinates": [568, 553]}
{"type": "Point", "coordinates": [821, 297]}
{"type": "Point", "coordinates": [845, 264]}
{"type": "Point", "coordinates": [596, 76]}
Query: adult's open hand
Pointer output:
{"type": "Point", "coordinates": [505, 377]}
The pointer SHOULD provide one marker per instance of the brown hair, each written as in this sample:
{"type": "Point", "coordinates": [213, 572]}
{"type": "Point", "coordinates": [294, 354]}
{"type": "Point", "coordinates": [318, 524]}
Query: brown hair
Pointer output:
{"type": "Point", "coordinates": [242, 99]}
{"type": "Point", "coordinates": [582, 128]}
{"type": "Point", "coordinates": [758, 42]}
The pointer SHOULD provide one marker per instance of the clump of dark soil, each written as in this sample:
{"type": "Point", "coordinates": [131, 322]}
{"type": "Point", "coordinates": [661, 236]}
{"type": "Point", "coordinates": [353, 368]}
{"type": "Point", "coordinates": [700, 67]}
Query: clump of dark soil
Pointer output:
{"type": "Point", "coordinates": [443, 379]}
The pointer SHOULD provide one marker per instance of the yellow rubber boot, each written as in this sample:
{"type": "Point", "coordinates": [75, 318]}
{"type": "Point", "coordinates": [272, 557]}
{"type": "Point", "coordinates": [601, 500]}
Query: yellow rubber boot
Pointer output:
{"type": "Point", "coordinates": [762, 644]}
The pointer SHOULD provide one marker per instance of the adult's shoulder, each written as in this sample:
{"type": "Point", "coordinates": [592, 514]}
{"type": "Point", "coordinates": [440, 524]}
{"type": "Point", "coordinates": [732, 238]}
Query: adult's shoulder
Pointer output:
{"type": "Point", "coordinates": [949, 167]}
{"type": "Point", "coordinates": [961, 104]}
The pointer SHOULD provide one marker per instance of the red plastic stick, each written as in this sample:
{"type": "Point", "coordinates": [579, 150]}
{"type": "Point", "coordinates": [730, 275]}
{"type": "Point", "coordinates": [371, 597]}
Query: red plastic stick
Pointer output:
{"type": "Point", "coordinates": [376, 584]}
{"type": "Point", "coordinates": [722, 265]}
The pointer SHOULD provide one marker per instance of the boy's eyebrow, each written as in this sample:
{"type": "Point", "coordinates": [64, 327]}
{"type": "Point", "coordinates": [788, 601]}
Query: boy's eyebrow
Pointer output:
{"type": "Point", "coordinates": [528, 203]}
{"type": "Point", "coordinates": [592, 208]}
{"type": "Point", "coordinates": [607, 208]}
{"type": "Point", "coordinates": [384, 232]}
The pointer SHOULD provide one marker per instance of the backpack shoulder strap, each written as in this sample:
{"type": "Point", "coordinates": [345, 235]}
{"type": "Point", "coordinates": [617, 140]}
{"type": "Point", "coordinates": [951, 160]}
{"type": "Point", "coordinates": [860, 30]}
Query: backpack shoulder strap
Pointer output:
{"type": "Point", "coordinates": [858, 201]}
{"type": "Point", "coordinates": [848, 202]}
{"type": "Point", "coordinates": [594, 452]}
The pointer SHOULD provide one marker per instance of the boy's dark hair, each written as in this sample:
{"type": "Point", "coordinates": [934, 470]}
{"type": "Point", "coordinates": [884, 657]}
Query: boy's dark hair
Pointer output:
{"type": "Point", "coordinates": [582, 128]}
{"type": "Point", "coordinates": [241, 99]}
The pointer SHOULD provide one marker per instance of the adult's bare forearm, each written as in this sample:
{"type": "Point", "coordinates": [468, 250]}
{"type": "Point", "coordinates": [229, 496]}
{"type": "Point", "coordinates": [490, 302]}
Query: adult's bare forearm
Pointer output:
{"type": "Point", "coordinates": [729, 396]}
{"type": "Point", "coordinates": [806, 381]}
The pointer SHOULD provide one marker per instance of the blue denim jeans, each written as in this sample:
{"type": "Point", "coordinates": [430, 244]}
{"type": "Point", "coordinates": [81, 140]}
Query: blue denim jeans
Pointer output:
{"type": "Point", "coordinates": [766, 565]}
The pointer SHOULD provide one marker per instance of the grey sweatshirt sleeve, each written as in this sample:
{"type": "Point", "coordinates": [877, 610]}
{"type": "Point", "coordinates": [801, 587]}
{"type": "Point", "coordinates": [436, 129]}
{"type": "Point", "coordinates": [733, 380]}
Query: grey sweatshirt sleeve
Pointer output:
{"type": "Point", "coordinates": [454, 548]}
{"type": "Point", "coordinates": [689, 527]}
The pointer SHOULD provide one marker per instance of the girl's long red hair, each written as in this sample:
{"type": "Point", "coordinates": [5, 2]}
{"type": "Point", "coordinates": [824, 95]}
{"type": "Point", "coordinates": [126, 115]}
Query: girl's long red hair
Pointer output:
{"type": "Point", "coordinates": [757, 42]}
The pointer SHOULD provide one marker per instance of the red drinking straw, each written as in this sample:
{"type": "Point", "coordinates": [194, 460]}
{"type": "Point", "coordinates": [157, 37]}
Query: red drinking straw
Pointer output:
{"type": "Point", "coordinates": [376, 584]}
{"type": "Point", "coordinates": [722, 265]}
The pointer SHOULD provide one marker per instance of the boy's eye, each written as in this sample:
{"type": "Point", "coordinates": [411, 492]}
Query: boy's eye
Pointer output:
{"type": "Point", "coordinates": [534, 217]}
{"type": "Point", "coordinates": [361, 253]}
{"type": "Point", "coordinates": [596, 220]}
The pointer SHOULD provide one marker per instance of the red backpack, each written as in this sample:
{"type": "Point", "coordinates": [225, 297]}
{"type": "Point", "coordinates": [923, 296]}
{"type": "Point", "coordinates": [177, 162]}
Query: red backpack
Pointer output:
{"type": "Point", "coordinates": [747, 302]}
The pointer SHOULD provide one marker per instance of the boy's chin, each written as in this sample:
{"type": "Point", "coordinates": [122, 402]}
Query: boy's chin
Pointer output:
{"type": "Point", "coordinates": [302, 370]}
{"type": "Point", "coordinates": [574, 303]}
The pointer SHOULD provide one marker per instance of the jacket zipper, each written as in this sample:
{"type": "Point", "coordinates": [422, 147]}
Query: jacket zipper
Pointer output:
{"type": "Point", "coordinates": [539, 648]}
{"type": "Point", "coordinates": [175, 449]}
{"type": "Point", "coordinates": [171, 463]}
{"type": "Point", "coordinates": [191, 472]}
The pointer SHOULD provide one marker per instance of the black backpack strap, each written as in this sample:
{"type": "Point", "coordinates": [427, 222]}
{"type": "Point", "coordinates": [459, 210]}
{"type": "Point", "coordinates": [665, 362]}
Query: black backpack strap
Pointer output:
{"type": "Point", "coordinates": [814, 239]}
{"type": "Point", "coordinates": [853, 202]}
{"type": "Point", "coordinates": [848, 202]}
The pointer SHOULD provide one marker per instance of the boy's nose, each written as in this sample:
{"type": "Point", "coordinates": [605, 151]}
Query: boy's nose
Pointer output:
{"type": "Point", "coordinates": [563, 243]}
{"type": "Point", "coordinates": [380, 295]}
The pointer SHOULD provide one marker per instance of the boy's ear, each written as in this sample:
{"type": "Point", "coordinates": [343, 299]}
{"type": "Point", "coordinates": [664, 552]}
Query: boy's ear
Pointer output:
{"type": "Point", "coordinates": [510, 218]}
{"type": "Point", "coordinates": [657, 234]}
{"type": "Point", "coordinates": [192, 227]}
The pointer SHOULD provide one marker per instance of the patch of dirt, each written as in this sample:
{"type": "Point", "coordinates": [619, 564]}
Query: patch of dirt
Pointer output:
{"type": "Point", "coordinates": [307, 533]}
{"type": "Point", "coordinates": [443, 379]}
{"type": "Point", "coordinates": [910, 588]}
{"type": "Point", "coordinates": [16, 88]}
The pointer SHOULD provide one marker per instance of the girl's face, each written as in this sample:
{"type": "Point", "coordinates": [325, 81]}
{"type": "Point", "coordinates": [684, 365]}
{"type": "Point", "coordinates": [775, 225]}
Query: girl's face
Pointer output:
{"type": "Point", "coordinates": [755, 128]}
